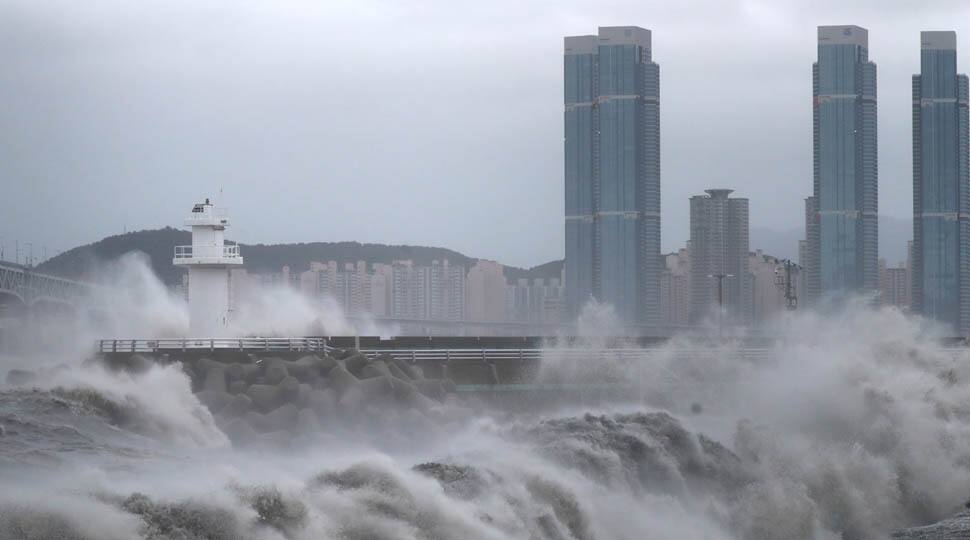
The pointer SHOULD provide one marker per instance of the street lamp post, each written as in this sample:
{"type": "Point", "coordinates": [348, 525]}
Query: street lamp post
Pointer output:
{"type": "Point", "coordinates": [720, 301]}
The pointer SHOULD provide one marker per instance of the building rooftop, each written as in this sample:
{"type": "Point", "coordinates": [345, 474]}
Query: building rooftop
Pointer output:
{"type": "Point", "coordinates": [581, 45]}
{"type": "Point", "coordinates": [624, 35]}
{"type": "Point", "coordinates": [938, 39]}
{"type": "Point", "coordinates": [719, 193]}
{"type": "Point", "coordinates": [848, 34]}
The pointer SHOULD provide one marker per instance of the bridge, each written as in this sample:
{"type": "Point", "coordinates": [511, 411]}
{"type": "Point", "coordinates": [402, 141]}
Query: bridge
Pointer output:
{"type": "Point", "coordinates": [25, 293]}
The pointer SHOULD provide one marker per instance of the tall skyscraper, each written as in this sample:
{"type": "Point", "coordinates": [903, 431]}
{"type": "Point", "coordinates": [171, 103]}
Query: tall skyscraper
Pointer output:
{"type": "Point", "coordinates": [719, 246]}
{"type": "Point", "coordinates": [941, 186]}
{"type": "Point", "coordinates": [808, 257]}
{"type": "Point", "coordinates": [612, 173]}
{"type": "Point", "coordinates": [845, 163]}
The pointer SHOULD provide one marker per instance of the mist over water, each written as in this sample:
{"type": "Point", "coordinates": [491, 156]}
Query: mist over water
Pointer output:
{"type": "Point", "coordinates": [852, 425]}
{"type": "Point", "coordinates": [130, 302]}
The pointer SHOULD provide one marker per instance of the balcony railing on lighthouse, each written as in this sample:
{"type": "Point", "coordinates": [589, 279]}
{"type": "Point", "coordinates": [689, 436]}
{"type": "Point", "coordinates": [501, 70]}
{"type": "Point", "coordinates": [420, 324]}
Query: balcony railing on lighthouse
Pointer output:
{"type": "Point", "coordinates": [206, 252]}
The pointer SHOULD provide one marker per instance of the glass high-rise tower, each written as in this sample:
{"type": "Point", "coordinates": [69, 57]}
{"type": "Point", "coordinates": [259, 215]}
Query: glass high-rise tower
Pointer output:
{"type": "Point", "coordinates": [846, 182]}
{"type": "Point", "coordinates": [941, 198]}
{"type": "Point", "coordinates": [612, 173]}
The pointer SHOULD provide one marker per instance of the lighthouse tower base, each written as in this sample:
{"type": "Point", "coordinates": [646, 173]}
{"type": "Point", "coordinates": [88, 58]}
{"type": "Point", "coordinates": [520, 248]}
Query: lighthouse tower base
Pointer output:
{"type": "Point", "coordinates": [209, 302]}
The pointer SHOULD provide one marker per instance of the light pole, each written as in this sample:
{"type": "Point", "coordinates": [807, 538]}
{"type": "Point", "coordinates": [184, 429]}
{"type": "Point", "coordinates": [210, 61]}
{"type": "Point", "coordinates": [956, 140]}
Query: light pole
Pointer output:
{"type": "Point", "coordinates": [720, 300]}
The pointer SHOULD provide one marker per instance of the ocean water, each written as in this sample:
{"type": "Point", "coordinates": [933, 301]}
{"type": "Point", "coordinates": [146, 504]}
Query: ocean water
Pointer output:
{"type": "Point", "coordinates": [853, 427]}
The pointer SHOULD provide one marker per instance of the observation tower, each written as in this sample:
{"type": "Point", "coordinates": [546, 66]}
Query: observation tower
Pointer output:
{"type": "Point", "coordinates": [208, 260]}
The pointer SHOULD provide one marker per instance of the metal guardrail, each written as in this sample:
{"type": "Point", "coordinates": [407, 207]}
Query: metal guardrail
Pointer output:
{"type": "Point", "coordinates": [189, 252]}
{"type": "Point", "coordinates": [420, 355]}
{"type": "Point", "coordinates": [319, 344]}
{"type": "Point", "coordinates": [502, 355]}
{"type": "Point", "coordinates": [457, 355]}
{"type": "Point", "coordinates": [241, 344]}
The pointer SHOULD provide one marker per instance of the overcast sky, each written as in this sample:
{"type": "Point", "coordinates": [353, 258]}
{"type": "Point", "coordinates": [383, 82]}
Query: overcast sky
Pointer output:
{"type": "Point", "coordinates": [431, 122]}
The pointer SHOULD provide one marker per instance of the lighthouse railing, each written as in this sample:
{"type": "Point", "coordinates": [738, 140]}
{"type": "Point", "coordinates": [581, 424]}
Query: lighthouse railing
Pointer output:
{"type": "Point", "coordinates": [184, 344]}
{"type": "Point", "coordinates": [190, 252]}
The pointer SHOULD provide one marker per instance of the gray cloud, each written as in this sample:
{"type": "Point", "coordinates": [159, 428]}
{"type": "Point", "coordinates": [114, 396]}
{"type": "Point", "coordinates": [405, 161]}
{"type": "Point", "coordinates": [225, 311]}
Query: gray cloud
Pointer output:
{"type": "Point", "coordinates": [427, 122]}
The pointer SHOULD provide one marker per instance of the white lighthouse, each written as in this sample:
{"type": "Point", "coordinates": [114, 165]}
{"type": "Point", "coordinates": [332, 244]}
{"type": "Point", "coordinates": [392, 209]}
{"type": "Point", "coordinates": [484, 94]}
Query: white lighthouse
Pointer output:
{"type": "Point", "coordinates": [208, 260]}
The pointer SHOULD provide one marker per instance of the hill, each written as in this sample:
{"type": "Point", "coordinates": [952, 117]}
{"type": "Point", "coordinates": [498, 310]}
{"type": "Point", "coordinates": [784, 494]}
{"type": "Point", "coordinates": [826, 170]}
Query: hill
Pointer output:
{"type": "Point", "coordinates": [83, 262]}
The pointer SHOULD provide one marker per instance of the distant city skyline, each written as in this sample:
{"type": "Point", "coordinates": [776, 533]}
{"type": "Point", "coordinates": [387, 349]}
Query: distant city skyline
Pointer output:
{"type": "Point", "coordinates": [156, 105]}
{"type": "Point", "coordinates": [405, 291]}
